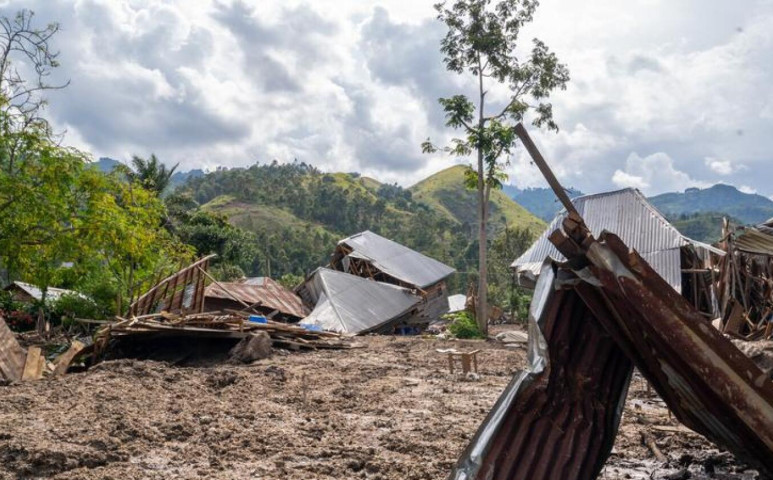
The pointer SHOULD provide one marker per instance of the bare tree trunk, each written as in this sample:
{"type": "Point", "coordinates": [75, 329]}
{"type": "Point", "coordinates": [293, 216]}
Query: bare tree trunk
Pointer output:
{"type": "Point", "coordinates": [482, 311]}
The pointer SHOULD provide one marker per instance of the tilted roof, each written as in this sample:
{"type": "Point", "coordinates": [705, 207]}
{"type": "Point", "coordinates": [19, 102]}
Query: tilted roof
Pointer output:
{"type": "Point", "coordinates": [265, 290]}
{"type": "Point", "coordinates": [351, 304]}
{"type": "Point", "coordinates": [629, 215]}
{"type": "Point", "coordinates": [396, 260]}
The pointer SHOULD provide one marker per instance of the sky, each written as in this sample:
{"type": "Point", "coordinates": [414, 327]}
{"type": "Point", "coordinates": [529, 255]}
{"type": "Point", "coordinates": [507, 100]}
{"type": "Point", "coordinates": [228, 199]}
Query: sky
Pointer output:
{"type": "Point", "coordinates": [664, 94]}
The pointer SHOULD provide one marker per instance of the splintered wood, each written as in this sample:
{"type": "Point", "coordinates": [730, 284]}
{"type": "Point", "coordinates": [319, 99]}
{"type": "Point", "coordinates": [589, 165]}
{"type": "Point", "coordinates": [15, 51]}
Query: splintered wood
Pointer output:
{"type": "Point", "coordinates": [745, 287]}
{"type": "Point", "coordinates": [12, 355]}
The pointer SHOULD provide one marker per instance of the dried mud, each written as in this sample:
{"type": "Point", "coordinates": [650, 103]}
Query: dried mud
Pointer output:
{"type": "Point", "coordinates": [390, 410]}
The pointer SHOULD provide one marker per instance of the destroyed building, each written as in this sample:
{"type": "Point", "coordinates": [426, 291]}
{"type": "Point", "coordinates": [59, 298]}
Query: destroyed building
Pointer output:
{"type": "Point", "coordinates": [263, 294]}
{"type": "Point", "coordinates": [745, 282]}
{"type": "Point", "coordinates": [598, 312]}
{"type": "Point", "coordinates": [346, 303]}
{"type": "Point", "coordinates": [372, 256]}
{"type": "Point", "coordinates": [687, 265]}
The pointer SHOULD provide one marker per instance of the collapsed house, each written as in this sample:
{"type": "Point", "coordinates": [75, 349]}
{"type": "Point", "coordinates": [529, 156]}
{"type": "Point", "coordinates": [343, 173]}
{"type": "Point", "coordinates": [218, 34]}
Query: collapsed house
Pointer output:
{"type": "Point", "coordinates": [372, 256]}
{"type": "Point", "coordinates": [687, 265]}
{"type": "Point", "coordinates": [350, 304]}
{"type": "Point", "coordinates": [596, 314]}
{"type": "Point", "coordinates": [263, 294]}
{"type": "Point", "coordinates": [746, 282]}
{"type": "Point", "coordinates": [376, 285]}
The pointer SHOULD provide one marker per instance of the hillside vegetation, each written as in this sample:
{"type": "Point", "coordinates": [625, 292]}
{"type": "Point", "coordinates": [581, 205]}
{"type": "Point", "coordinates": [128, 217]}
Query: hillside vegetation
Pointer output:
{"type": "Point", "coordinates": [445, 193]}
{"type": "Point", "coordinates": [297, 213]}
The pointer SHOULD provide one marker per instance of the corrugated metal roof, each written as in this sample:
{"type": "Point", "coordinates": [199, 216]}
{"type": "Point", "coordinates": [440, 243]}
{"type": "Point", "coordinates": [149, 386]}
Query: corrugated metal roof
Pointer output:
{"type": "Point", "coordinates": [268, 292]}
{"type": "Point", "coordinates": [547, 425]}
{"type": "Point", "coordinates": [351, 304]}
{"type": "Point", "coordinates": [757, 240]}
{"type": "Point", "coordinates": [52, 293]}
{"type": "Point", "coordinates": [629, 215]}
{"type": "Point", "coordinates": [397, 260]}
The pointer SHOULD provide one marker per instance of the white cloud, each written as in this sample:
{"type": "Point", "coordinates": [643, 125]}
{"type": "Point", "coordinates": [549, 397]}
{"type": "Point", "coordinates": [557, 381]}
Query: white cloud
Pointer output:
{"type": "Point", "coordinates": [747, 189]}
{"type": "Point", "coordinates": [654, 174]}
{"type": "Point", "coordinates": [353, 85]}
{"type": "Point", "coordinates": [723, 167]}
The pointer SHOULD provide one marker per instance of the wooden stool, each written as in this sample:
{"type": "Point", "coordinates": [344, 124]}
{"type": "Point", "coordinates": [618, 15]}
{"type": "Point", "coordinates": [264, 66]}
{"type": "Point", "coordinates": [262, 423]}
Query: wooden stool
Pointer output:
{"type": "Point", "coordinates": [467, 359]}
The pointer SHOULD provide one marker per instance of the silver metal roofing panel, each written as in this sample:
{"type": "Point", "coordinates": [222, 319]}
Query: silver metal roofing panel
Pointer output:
{"type": "Point", "coordinates": [351, 304]}
{"type": "Point", "coordinates": [397, 260]}
{"type": "Point", "coordinates": [457, 303]}
{"type": "Point", "coordinates": [629, 215]}
{"type": "Point", "coordinates": [35, 292]}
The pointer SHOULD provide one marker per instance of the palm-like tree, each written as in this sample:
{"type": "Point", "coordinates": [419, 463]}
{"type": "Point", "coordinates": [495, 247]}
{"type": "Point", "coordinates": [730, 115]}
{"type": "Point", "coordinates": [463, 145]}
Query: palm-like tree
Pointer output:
{"type": "Point", "coordinates": [151, 173]}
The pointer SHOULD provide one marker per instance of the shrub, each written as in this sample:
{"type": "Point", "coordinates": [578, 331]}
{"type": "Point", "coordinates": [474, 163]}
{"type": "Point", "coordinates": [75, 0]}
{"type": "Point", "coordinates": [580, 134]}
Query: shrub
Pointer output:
{"type": "Point", "coordinates": [463, 325]}
{"type": "Point", "coordinates": [71, 306]}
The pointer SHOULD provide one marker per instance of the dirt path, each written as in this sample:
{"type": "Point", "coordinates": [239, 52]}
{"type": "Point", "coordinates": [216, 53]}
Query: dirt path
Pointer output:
{"type": "Point", "coordinates": [388, 411]}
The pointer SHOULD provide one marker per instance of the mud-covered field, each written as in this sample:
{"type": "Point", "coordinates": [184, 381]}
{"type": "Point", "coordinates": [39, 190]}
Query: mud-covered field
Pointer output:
{"type": "Point", "coordinates": [390, 410]}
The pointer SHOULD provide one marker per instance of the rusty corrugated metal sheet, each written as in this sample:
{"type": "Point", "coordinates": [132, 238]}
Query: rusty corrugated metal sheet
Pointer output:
{"type": "Point", "coordinates": [709, 385]}
{"type": "Point", "coordinates": [628, 214]}
{"type": "Point", "coordinates": [557, 419]}
{"type": "Point", "coordinates": [268, 292]}
{"type": "Point", "coordinates": [757, 240]}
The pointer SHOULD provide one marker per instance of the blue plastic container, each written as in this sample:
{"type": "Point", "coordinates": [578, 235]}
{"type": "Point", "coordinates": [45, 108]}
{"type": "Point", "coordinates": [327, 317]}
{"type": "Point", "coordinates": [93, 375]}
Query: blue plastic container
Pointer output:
{"type": "Point", "coordinates": [310, 327]}
{"type": "Point", "coordinates": [258, 319]}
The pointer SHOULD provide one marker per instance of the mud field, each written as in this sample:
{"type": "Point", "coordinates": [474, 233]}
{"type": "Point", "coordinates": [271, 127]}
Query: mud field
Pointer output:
{"type": "Point", "coordinates": [390, 410]}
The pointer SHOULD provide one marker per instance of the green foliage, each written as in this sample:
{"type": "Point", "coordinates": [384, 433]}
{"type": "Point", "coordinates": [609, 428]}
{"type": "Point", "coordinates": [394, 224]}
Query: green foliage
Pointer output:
{"type": "Point", "coordinates": [288, 280]}
{"type": "Point", "coordinates": [704, 227]}
{"type": "Point", "coordinates": [151, 173]}
{"type": "Point", "coordinates": [72, 306]}
{"type": "Point", "coordinates": [463, 325]}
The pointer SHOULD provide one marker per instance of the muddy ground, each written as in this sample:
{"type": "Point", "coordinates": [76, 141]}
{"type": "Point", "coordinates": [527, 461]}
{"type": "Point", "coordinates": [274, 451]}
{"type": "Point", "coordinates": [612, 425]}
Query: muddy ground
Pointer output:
{"type": "Point", "coordinates": [390, 410]}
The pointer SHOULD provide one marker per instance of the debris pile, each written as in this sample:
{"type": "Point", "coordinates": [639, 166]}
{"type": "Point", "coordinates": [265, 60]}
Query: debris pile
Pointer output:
{"type": "Point", "coordinates": [234, 325]}
{"type": "Point", "coordinates": [745, 282]}
{"type": "Point", "coordinates": [594, 317]}
{"type": "Point", "coordinates": [262, 294]}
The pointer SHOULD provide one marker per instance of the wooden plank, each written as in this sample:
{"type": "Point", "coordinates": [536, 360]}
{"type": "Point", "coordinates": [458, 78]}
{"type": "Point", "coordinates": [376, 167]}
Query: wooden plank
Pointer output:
{"type": "Point", "coordinates": [736, 319]}
{"type": "Point", "coordinates": [63, 361]}
{"type": "Point", "coordinates": [12, 355]}
{"type": "Point", "coordinates": [33, 368]}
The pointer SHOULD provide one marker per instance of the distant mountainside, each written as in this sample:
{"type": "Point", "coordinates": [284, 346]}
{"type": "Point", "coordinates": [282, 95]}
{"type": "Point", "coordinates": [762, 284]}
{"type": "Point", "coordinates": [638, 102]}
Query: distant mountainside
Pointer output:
{"type": "Point", "coordinates": [542, 202]}
{"type": "Point", "coordinates": [179, 178]}
{"type": "Point", "coordinates": [106, 164]}
{"type": "Point", "coordinates": [704, 227]}
{"type": "Point", "coordinates": [723, 199]}
{"type": "Point", "coordinates": [445, 192]}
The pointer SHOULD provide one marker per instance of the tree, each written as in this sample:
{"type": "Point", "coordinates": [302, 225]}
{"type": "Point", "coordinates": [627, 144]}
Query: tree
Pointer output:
{"type": "Point", "coordinates": [151, 174]}
{"type": "Point", "coordinates": [22, 44]}
{"type": "Point", "coordinates": [482, 40]}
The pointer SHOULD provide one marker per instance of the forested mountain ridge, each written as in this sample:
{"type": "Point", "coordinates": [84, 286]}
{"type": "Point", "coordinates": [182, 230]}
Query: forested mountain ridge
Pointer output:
{"type": "Point", "coordinates": [297, 214]}
{"type": "Point", "coordinates": [747, 207]}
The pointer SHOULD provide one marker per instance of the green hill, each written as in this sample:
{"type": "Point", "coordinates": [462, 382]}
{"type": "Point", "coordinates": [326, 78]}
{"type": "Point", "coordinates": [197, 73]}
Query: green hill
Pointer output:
{"type": "Point", "coordinates": [726, 199]}
{"type": "Point", "coordinates": [445, 192]}
{"type": "Point", "coordinates": [704, 227]}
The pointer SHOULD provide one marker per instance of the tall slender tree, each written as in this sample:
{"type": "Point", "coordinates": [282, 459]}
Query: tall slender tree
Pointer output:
{"type": "Point", "coordinates": [151, 173]}
{"type": "Point", "coordinates": [482, 41]}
